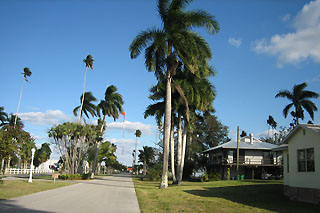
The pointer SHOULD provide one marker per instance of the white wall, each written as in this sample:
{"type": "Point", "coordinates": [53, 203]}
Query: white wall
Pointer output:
{"type": "Point", "coordinates": [299, 141]}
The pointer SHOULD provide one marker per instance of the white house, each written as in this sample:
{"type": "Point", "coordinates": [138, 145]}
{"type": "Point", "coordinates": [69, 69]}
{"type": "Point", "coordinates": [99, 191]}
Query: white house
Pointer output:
{"type": "Point", "coordinates": [256, 159]}
{"type": "Point", "coordinates": [302, 163]}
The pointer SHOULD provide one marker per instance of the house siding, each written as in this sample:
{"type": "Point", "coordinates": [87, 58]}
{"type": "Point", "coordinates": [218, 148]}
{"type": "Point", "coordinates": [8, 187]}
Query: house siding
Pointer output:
{"type": "Point", "coordinates": [286, 177]}
{"type": "Point", "coordinates": [302, 179]}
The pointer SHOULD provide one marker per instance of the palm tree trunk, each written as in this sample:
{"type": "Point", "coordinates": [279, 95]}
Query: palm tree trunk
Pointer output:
{"type": "Point", "coordinates": [21, 90]}
{"type": "Point", "coordinates": [179, 150]}
{"type": "Point", "coordinates": [2, 165]}
{"type": "Point", "coordinates": [99, 168]}
{"type": "Point", "coordinates": [84, 85]}
{"type": "Point", "coordinates": [167, 128]}
{"type": "Point", "coordinates": [172, 153]}
{"type": "Point", "coordinates": [97, 149]}
{"type": "Point", "coordinates": [184, 143]}
{"type": "Point", "coordinates": [95, 160]}
{"type": "Point", "coordinates": [135, 152]}
{"type": "Point", "coordinates": [144, 168]}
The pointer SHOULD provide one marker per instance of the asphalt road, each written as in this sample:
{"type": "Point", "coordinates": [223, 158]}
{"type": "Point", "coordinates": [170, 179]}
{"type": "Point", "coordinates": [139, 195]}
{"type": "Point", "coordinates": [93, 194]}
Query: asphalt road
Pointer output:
{"type": "Point", "coordinates": [108, 194]}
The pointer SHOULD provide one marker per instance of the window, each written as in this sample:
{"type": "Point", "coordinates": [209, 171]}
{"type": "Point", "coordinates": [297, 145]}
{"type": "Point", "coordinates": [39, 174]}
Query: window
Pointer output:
{"type": "Point", "coordinates": [306, 160]}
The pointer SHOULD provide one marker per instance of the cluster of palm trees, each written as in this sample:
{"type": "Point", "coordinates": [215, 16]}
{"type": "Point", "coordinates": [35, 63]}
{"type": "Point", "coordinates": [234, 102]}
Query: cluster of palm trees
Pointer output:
{"type": "Point", "coordinates": [178, 56]}
{"type": "Point", "coordinates": [110, 106]}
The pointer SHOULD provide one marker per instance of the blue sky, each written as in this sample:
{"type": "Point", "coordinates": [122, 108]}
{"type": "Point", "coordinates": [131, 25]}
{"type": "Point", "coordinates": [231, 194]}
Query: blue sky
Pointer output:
{"type": "Point", "coordinates": [262, 47]}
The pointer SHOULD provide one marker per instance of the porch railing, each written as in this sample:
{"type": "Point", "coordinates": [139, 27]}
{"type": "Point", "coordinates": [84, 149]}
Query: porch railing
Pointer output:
{"type": "Point", "coordinates": [244, 161]}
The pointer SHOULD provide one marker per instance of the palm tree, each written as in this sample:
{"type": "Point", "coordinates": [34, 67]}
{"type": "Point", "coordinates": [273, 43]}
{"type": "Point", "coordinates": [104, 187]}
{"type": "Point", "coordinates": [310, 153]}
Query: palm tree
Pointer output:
{"type": "Point", "coordinates": [26, 73]}
{"type": "Point", "coordinates": [146, 156]}
{"type": "Point", "coordinates": [299, 98]}
{"type": "Point", "coordinates": [111, 106]}
{"type": "Point", "coordinates": [89, 63]}
{"type": "Point", "coordinates": [169, 47]}
{"type": "Point", "coordinates": [138, 135]}
{"type": "Point", "coordinates": [3, 116]}
{"type": "Point", "coordinates": [87, 105]}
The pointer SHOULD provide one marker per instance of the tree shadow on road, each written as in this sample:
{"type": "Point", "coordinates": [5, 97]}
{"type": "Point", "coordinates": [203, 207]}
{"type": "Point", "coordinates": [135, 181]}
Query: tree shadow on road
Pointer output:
{"type": "Point", "coordinates": [10, 206]}
{"type": "Point", "coordinates": [262, 196]}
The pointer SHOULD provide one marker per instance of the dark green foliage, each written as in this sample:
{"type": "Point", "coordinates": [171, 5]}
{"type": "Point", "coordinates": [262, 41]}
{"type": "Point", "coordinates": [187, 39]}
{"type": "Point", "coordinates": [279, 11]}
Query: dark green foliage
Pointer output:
{"type": "Point", "coordinates": [42, 154]}
{"type": "Point", "coordinates": [88, 106]}
{"type": "Point", "coordinates": [300, 100]}
{"type": "Point", "coordinates": [3, 116]}
{"type": "Point", "coordinates": [154, 173]}
{"type": "Point", "coordinates": [26, 73]}
{"type": "Point", "coordinates": [89, 61]}
{"type": "Point", "coordinates": [215, 176]}
{"type": "Point", "coordinates": [243, 134]}
{"type": "Point", "coordinates": [75, 176]}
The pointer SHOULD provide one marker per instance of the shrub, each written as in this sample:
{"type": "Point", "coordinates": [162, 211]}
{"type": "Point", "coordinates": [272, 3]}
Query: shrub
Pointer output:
{"type": "Point", "coordinates": [204, 178]}
{"type": "Point", "coordinates": [215, 176]}
{"type": "Point", "coordinates": [75, 177]}
{"type": "Point", "coordinates": [154, 173]}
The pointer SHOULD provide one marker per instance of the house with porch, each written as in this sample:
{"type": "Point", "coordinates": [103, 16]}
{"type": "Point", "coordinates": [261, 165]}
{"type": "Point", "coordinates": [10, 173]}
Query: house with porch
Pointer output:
{"type": "Point", "coordinates": [256, 159]}
{"type": "Point", "coordinates": [301, 169]}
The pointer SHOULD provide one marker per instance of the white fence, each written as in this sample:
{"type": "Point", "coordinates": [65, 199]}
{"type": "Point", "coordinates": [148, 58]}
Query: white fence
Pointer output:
{"type": "Point", "coordinates": [27, 171]}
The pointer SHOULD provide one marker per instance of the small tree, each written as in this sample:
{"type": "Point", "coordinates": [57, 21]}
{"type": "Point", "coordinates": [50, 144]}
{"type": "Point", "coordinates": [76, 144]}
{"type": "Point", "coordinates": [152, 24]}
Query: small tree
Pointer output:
{"type": "Point", "coordinates": [42, 154]}
{"type": "Point", "coordinates": [146, 156]}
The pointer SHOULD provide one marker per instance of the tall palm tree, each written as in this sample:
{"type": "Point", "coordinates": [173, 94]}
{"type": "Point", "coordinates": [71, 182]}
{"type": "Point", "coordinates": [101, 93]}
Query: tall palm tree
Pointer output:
{"type": "Point", "coordinates": [110, 106]}
{"type": "Point", "coordinates": [299, 98]}
{"type": "Point", "coordinates": [86, 105]}
{"type": "Point", "coordinates": [171, 46]}
{"type": "Point", "coordinates": [89, 63]}
{"type": "Point", "coordinates": [138, 135]}
{"type": "Point", "coordinates": [26, 73]}
{"type": "Point", "coordinates": [3, 116]}
{"type": "Point", "coordinates": [146, 156]}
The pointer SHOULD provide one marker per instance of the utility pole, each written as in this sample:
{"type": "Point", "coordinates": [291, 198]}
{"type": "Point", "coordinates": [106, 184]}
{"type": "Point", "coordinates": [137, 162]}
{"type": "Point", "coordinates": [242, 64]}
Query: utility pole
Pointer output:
{"type": "Point", "coordinates": [238, 130]}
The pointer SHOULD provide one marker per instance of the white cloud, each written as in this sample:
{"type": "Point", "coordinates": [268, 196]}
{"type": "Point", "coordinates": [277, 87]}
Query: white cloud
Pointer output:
{"type": "Point", "coordinates": [146, 129]}
{"type": "Point", "coordinates": [297, 46]}
{"type": "Point", "coordinates": [267, 133]}
{"type": "Point", "coordinates": [235, 42]}
{"type": "Point", "coordinates": [122, 141]}
{"type": "Point", "coordinates": [50, 117]}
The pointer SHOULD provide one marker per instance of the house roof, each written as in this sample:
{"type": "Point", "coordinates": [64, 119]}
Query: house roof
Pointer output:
{"type": "Point", "coordinates": [312, 127]}
{"type": "Point", "coordinates": [280, 148]}
{"type": "Point", "coordinates": [245, 144]}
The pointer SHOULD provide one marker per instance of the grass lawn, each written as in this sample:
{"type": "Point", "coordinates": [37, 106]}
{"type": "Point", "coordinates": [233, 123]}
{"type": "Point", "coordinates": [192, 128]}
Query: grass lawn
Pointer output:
{"type": "Point", "coordinates": [218, 196]}
{"type": "Point", "coordinates": [16, 188]}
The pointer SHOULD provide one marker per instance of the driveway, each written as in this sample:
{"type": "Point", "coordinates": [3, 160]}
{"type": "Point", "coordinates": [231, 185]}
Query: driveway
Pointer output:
{"type": "Point", "coordinates": [107, 194]}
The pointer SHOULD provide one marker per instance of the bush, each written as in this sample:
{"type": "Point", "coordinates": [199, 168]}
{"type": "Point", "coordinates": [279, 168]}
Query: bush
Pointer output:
{"type": "Point", "coordinates": [204, 178]}
{"type": "Point", "coordinates": [154, 173]}
{"type": "Point", "coordinates": [75, 176]}
{"type": "Point", "coordinates": [215, 176]}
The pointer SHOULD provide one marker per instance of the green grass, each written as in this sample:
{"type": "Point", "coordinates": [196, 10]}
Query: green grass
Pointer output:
{"type": "Point", "coordinates": [15, 188]}
{"type": "Point", "coordinates": [218, 196]}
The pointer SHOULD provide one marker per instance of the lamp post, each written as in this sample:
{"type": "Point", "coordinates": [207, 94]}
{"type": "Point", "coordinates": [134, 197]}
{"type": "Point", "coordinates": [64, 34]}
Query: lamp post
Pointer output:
{"type": "Point", "coordinates": [31, 166]}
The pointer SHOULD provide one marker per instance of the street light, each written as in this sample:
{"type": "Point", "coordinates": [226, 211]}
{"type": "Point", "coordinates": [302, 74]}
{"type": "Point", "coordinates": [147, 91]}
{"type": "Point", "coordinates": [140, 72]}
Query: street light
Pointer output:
{"type": "Point", "coordinates": [31, 167]}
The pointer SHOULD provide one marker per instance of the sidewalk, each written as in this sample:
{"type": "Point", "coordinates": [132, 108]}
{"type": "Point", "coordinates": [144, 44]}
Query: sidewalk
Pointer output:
{"type": "Point", "coordinates": [107, 194]}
